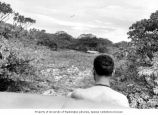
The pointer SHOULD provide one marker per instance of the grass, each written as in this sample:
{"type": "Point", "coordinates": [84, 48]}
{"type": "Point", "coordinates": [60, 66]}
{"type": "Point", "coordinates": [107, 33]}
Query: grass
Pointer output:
{"type": "Point", "coordinates": [62, 70]}
{"type": "Point", "coordinates": [67, 70]}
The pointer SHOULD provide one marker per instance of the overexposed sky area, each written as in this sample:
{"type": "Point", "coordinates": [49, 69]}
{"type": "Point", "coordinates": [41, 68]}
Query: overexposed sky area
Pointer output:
{"type": "Point", "coordinates": [103, 18]}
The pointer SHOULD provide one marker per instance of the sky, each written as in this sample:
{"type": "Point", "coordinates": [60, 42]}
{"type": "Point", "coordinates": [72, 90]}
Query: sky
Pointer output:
{"type": "Point", "coordinates": [104, 18]}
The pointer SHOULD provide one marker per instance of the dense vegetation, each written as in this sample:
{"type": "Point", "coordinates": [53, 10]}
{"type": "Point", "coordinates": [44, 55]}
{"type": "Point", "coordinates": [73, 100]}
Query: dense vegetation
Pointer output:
{"type": "Point", "coordinates": [34, 61]}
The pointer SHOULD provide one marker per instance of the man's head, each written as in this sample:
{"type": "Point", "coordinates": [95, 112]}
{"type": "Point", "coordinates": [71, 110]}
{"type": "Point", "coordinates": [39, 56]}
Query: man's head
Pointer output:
{"type": "Point", "coordinates": [103, 65]}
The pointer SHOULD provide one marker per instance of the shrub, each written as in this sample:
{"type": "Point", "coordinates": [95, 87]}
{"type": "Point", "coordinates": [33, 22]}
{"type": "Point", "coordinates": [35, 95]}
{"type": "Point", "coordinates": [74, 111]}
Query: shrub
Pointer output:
{"type": "Point", "coordinates": [48, 42]}
{"type": "Point", "coordinates": [102, 49]}
{"type": "Point", "coordinates": [15, 73]}
{"type": "Point", "coordinates": [150, 74]}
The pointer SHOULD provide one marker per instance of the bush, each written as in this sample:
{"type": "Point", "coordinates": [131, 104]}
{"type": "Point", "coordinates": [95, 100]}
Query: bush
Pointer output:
{"type": "Point", "coordinates": [48, 42]}
{"type": "Point", "coordinates": [15, 73]}
{"type": "Point", "coordinates": [150, 74]}
{"type": "Point", "coordinates": [102, 49]}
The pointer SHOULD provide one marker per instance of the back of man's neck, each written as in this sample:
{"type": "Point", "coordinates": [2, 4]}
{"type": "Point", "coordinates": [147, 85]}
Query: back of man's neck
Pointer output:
{"type": "Point", "coordinates": [103, 81]}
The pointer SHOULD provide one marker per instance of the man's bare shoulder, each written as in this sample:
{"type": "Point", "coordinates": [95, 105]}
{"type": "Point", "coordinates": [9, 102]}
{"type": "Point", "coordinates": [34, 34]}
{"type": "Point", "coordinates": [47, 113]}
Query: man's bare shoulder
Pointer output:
{"type": "Point", "coordinates": [118, 94]}
{"type": "Point", "coordinates": [105, 94]}
{"type": "Point", "coordinates": [120, 98]}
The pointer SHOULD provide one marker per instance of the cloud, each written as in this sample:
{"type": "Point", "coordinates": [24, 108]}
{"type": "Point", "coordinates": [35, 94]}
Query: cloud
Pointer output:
{"type": "Point", "coordinates": [73, 25]}
{"type": "Point", "coordinates": [105, 18]}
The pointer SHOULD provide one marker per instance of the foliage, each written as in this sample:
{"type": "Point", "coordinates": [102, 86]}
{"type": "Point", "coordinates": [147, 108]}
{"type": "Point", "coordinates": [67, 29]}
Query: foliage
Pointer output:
{"type": "Point", "coordinates": [151, 74]}
{"type": "Point", "coordinates": [5, 11]}
{"type": "Point", "coordinates": [63, 39]}
{"type": "Point", "coordinates": [122, 45]}
{"type": "Point", "coordinates": [15, 73]}
{"type": "Point", "coordinates": [22, 21]}
{"type": "Point", "coordinates": [46, 40]}
{"type": "Point", "coordinates": [126, 62]}
{"type": "Point", "coordinates": [144, 34]}
{"type": "Point", "coordinates": [5, 30]}
{"type": "Point", "coordinates": [137, 64]}
{"type": "Point", "coordinates": [87, 42]}
{"type": "Point", "coordinates": [86, 36]}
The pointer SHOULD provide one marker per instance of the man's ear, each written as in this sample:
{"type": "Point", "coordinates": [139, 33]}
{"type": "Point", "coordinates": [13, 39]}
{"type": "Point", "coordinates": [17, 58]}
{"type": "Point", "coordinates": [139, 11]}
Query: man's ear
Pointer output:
{"type": "Point", "coordinates": [113, 73]}
{"type": "Point", "coordinates": [94, 74]}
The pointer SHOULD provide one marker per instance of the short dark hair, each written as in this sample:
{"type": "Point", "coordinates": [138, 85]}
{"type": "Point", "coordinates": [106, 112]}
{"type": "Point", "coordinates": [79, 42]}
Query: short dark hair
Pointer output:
{"type": "Point", "coordinates": [103, 65]}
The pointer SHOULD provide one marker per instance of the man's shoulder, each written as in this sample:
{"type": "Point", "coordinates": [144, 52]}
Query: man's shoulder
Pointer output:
{"type": "Point", "coordinates": [101, 94]}
{"type": "Point", "coordinates": [121, 99]}
{"type": "Point", "coordinates": [118, 94]}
